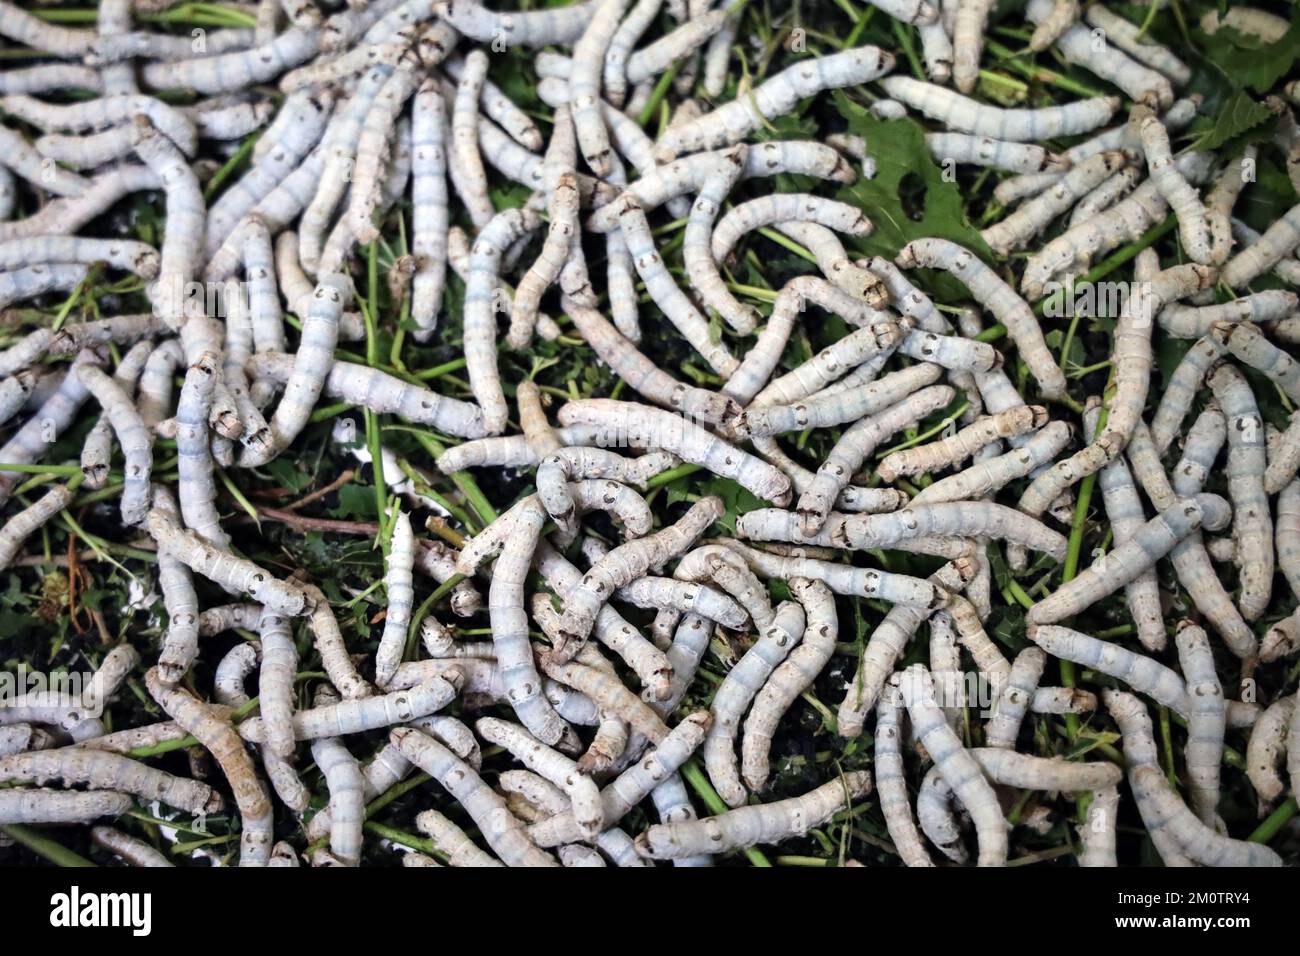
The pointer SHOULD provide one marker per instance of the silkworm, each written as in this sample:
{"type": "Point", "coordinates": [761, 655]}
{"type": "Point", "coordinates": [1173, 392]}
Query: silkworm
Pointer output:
{"type": "Point", "coordinates": [1015, 188]}
{"type": "Point", "coordinates": [1102, 232]}
{"type": "Point", "coordinates": [784, 207]}
{"type": "Point", "coordinates": [955, 764]}
{"type": "Point", "coordinates": [698, 258]}
{"type": "Point", "coordinates": [197, 488]}
{"type": "Point", "coordinates": [399, 588]}
{"type": "Point", "coordinates": [684, 597]}
{"type": "Point", "coordinates": [624, 423]}
{"type": "Point", "coordinates": [834, 261]}
{"type": "Point", "coordinates": [855, 445]}
{"type": "Point", "coordinates": [1163, 809]}
{"type": "Point", "coordinates": [373, 147]}
{"type": "Point", "coordinates": [998, 297]}
{"type": "Point", "coordinates": [1077, 45]}
{"type": "Point", "coordinates": [68, 214]}
{"type": "Point", "coordinates": [347, 805]}
{"type": "Point", "coordinates": [236, 70]}
{"type": "Point", "coordinates": [1252, 524]}
{"type": "Point", "coordinates": [24, 161]}
{"type": "Point", "coordinates": [133, 851]}
{"type": "Point", "coordinates": [510, 627]}
{"type": "Point", "coordinates": [987, 476]}
{"type": "Point", "coordinates": [46, 77]}
{"type": "Point", "coordinates": [1015, 699]}
{"type": "Point", "coordinates": [101, 770]}
{"type": "Point", "coordinates": [1206, 719]}
{"type": "Point", "coordinates": [465, 164]}
{"type": "Point", "coordinates": [1194, 228]}
{"type": "Point", "coordinates": [181, 247]}
{"type": "Point", "coordinates": [963, 148]}
{"type": "Point", "coordinates": [1287, 532]}
{"type": "Point", "coordinates": [773, 98]}
{"type": "Point", "coordinates": [132, 435]}
{"type": "Point", "coordinates": [608, 693]}
{"type": "Point", "coordinates": [223, 120]}
{"type": "Point", "coordinates": [556, 470]}
{"type": "Point", "coordinates": [96, 451]}
{"type": "Point", "coordinates": [959, 519]}
{"type": "Point", "coordinates": [585, 80]}
{"type": "Point", "coordinates": [560, 237]}
{"type": "Point", "coordinates": [61, 806]}
{"type": "Point", "coordinates": [1152, 541]}
{"type": "Point", "coordinates": [136, 257]}
{"type": "Point", "coordinates": [18, 528]}
{"type": "Point", "coordinates": [790, 678]}
{"type": "Point", "coordinates": [1276, 243]}
{"type": "Point", "coordinates": [717, 565]}
{"type": "Point", "coordinates": [215, 732]}
{"type": "Point", "coordinates": [1248, 345]}
{"type": "Point", "coordinates": [747, 826]}
{"type": "Point", "coordinates": [1125, 514]}
{"type": "Point", "coordinates": [1181, 389]}
{"type": "Point", "coordinates": [1140, 47]}
{"type": "Point", "coordinates": [622, 565]}
{"type": "Point", "coordinates": [1018, 229]}
{"type": "Point", "coordinates": [850, 405]}
{"type": "Point", "coordinates": [684, 175]}
{"type": "Point", "coordinates": [1008, 768]}
{"type": "Point", "coordinates": [664, 289]}
{"type": "Point", "coordinates": [891, 784]}
{"type": "Point", "coordinates": [1194, 321]}
{"type": "Point", "coordinates": [968, 41]}
{"type": "Point", "coordinates": [1144, 674]}
{"type": "Point", "coordinates": [451, 841]}
{"type": "Point", "coordinates": [556, 26]}
{"type": "Point", "coordinates": [737, 691]}
{"type": "Point", "coordinates": [311, 366]}
{"type": "Point", "coordinates": [480, 325]}
{"type": "Point", "coordinates": [31, 441]}
{"type": "Point", "coordinates": [588, 812]}
{"type": "Point", "coordinates": [923, 459]}
{"type": "Point", "coordinates": [333, 651]}
{"type": "Point", "coordinates": [622, 794]}
{"type": "Point", "coordinates": [429, 210]}
{"type": "Point", "coordinates": [1017, 125]}
{"type": "Point", "coordinates": [504, 833]}
{"type": "Point", "coordinates": [1268, 741]}
{"type": "Point", "coordinates": [359, 715]}
{"type": "Point", "coordinates": [106, 111]}
{"type": "Point", "coordinates": [221, 567]}
{"type": "Point", "coordinates": [32, 281]}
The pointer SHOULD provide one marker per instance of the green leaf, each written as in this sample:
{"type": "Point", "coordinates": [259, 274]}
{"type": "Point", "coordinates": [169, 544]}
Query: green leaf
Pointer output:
{"type": "Point", "coordinates": [1239, 114]}
{"type": "Point", "coordinates": [904, 168]}
{"type": "Point", "coordinates": [355, 501]}
{"type": "Point", "coordinates": [1246, 62]}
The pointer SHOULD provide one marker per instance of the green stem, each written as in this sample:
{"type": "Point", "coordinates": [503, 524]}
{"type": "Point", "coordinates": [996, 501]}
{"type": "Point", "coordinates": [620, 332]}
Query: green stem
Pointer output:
{"type": "Point", "coordinates": [41, 845]}
{"type": "Point", "coordinates": [1274, 822]}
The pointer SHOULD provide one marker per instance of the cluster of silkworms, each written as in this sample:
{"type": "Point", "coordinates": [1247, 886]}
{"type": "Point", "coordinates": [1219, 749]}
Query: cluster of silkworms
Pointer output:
{"type": "Point", "coordinates": [636, 642]}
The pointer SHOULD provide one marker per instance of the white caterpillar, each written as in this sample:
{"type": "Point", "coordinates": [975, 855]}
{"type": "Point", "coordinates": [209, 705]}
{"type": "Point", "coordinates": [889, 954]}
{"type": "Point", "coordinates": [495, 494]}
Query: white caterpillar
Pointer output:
{"type": "Point", "coordinates": [775, 97]}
